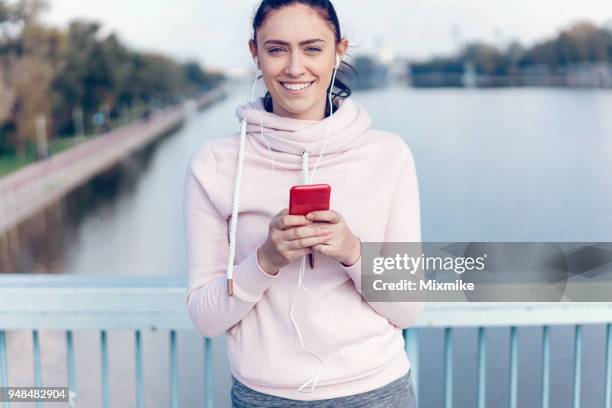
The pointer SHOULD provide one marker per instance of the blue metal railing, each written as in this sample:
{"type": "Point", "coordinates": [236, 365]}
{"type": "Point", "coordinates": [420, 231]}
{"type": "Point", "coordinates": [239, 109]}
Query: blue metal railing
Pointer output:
{"type": "Point", "coordinates": [3, 364]}
{"type": "Point", "coordinates": [577, 372]}
{"type": "Point", "coordinates": [138, 366]}
{"type": "Point", "coordinates": [545, 366]}
{"type": "Point", "coordinates": [76, 303]}
{"type": "Point", "coordinates": [70, 303]}
{"type": "Point", "coordinates": [482, 364]}
{"type": "Point", "coordinates": [608, 380]}
{"type": "Point", "coordinates": [70, 362]}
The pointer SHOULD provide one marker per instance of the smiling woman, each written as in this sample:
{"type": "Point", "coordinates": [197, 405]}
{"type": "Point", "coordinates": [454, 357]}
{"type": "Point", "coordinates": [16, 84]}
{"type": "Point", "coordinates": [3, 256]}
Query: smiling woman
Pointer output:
{"type": "Point", "coordinates": [297, 49]}
{"type": "Point", "coordinates": [300, 337]}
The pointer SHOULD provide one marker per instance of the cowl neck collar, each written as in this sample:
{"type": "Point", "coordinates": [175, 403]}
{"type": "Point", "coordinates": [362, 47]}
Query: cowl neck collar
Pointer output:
{"type": "Point", "coordinates": [288, 137]}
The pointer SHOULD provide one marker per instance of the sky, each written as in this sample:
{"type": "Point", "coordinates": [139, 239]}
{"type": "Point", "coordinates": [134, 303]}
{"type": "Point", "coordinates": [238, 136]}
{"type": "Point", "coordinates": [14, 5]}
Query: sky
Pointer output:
{"type": "Point", "coordinates": [215, 33]}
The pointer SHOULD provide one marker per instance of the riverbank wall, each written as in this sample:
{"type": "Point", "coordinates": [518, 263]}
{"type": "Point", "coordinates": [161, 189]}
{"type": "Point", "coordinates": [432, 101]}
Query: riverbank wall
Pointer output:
{"type": "Point", "coordinates": [30, 189]}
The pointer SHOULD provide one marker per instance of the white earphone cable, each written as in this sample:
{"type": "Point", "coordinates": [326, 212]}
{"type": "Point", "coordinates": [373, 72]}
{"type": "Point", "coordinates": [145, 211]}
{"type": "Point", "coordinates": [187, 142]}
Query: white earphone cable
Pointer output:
{"type": "Point", "coordinates": [300, 285]}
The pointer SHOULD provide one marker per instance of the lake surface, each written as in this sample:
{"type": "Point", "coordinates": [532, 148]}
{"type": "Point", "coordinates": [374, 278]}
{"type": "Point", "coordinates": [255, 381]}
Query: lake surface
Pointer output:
{"type": "Point", "coordinates": [493, 165]}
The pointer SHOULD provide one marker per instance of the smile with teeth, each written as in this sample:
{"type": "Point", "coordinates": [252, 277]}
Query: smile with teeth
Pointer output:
{"type": "Point", "coordinates": [297, 87]}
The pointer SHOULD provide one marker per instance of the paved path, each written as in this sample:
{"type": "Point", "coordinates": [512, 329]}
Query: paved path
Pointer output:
{"type": "Point", "coordinates": [29, 190]}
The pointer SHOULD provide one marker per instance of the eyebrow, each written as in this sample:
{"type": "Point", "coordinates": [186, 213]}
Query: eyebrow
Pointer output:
{"type": "Point", "coordinates": [279, 42]}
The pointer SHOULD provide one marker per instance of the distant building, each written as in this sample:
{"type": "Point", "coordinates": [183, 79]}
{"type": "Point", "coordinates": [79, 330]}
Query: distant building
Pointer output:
{"type": "Point", "coordinates": [589, 74]}
{"type": "Point", "coordinates": [371, 72]}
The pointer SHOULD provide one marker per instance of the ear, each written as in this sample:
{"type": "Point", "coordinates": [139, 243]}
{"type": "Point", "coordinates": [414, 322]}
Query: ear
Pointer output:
{"type": "Point", "coordinates": [341, 48]}
{"type": "Point", "coordinates": [253, 49]}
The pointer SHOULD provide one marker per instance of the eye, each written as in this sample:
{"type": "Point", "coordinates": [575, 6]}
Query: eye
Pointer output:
{"type": "Point", "coordinates": [275, 50]}
{"type": "Point", "coordinates": [313, 49]}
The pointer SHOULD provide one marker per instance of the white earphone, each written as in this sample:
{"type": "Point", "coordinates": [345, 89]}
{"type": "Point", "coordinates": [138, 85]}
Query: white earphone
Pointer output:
{"type": "Point", "coordinates": [313, 381]}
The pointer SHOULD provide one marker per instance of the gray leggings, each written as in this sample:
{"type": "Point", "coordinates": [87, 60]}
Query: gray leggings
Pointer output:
{"type": "Point", "coordinates": [399, 393]}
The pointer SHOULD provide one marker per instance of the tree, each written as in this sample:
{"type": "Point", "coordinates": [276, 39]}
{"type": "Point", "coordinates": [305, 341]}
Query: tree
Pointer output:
{"type": "Point", "coordinates": [487, 59]}
{"type": "Point", "coordinates": [44, 70]}
{"type": "Point", "coordinates": [28, 61]}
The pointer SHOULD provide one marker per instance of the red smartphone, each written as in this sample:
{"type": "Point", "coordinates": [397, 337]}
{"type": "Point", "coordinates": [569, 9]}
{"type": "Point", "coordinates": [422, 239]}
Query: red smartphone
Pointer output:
{"type": "Point", "coordinates": [310, 197]}
{"type": "Point", "coordinates": [306, 198]}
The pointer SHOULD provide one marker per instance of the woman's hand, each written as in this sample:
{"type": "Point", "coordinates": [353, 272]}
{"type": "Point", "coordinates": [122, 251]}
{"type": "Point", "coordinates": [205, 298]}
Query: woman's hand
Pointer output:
{"type": "Point", "coordinates": [289, 238]}
{"type": "Point", "coordinates": [343, 246]}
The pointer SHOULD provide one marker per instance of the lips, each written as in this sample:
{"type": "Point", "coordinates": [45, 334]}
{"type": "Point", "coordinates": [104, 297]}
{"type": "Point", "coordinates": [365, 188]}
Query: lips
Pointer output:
{"type": "Point", "coordinates": [296, 86]}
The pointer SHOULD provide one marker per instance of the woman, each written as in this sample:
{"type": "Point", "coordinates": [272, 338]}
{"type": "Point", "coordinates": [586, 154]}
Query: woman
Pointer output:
{"type": "Point", "coordinates": [299, 335]}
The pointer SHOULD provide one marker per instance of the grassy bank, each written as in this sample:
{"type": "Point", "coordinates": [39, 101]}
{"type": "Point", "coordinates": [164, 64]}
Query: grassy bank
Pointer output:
{"type": "Point", "coordinates": [10, 163]}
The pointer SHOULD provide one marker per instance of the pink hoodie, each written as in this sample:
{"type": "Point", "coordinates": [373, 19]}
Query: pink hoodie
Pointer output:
{"type": "Point", "coordinates": [374, 187]}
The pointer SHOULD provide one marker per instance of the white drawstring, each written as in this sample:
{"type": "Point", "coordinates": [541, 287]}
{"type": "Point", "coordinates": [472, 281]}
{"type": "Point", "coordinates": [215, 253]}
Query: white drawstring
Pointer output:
{"type": "Point", "coordinates": [233, 226]}
{"type": "Point", "coordinates": [233, 223]}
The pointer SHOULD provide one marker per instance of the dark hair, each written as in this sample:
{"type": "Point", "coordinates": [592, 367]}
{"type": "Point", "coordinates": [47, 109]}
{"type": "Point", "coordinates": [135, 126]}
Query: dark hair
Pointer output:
{"type": "Point", "coordinates": [326, 11]}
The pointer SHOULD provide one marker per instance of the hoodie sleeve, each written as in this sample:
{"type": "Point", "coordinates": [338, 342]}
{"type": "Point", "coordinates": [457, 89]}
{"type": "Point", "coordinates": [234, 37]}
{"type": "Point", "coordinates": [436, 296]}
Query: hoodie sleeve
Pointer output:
{"type": "Point", "coordinates": [210, 308]}
{"type": "Point", "coordinates": [403, 225]}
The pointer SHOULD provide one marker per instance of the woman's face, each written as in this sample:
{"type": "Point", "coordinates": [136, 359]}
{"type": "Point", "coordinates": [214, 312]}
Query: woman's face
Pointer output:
{"type": "Point", "coordinates": [297, 50]}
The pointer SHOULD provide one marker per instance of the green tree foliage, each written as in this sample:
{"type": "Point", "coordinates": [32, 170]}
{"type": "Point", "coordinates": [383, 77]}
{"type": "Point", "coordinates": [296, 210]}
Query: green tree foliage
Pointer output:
{"type": "Point", "coordinates": [583, 42]}
{"type": "Point", "coordinates": [44, 70]}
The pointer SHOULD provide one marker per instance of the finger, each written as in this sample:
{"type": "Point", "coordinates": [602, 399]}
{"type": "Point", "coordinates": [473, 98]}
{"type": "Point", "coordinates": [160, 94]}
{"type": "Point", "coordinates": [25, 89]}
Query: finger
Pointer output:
{"type": "Point", "coordinates": [326, 215]}
{"type": "Point", "coordinates": [322, 249]}
{"type": "Point", "coordinates": [303, 251]}
{"type": "Point", "coordinates": [289, 221]}
{"type": "Point", "coordinates": [306, 232]}
{"type": "Point", "coordinates": [307, 242]}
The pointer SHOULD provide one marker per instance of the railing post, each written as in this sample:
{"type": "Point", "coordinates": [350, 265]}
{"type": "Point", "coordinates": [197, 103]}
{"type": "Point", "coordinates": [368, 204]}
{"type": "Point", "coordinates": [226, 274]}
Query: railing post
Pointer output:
{"type": "Point", "coordinates": [411, 341]}
{"type": "Point", "coordinates": [608, 375]}
{"type": "Point", "coordinates": [545, 365]}
{"type": "Point", "coordinates": [513, 366]}
{"type": "Point", "coordinates": [138, 367]}
{"type": "Point", "coordinates": [104, 364]}
{"type": "Point", "coordinates": [72, 394]}
{"type": "Point", "coordinates": [448, 367]}
{"type": "Point", "coordinates": [577, 365]}
{"type": "Point", "coordinates": [173, 374]}
{"type": "Point", "coordinates": [208, 373]}
{"type": "Point", "coordinates": [482, 367]}
{"type": "Point", "coordinates": [3, 364]}
{"type": "Point", "coordinates": [37, 369]}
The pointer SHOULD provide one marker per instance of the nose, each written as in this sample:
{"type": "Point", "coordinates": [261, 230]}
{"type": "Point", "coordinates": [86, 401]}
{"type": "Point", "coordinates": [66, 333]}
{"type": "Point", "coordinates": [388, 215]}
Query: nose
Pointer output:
{"type": "Point", "coordinates": [295, 65]}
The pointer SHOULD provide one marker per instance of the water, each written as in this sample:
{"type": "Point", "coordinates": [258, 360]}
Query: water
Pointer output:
{"type": "Point", "coordinates": [493, 165]}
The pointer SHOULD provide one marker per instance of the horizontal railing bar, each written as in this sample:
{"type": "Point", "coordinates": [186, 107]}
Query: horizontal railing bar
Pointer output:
{"type": "Point", "coordinates": [27, 304]}
{"type": "Point", "coordinates": [177, 318]}
{"type": "Point", "coordinates": [65, 280]}
{"type": "Point", "coordinates": [513, 314]}
{"type": "Point", "coordinates": [92, 299]}
{"type": "Point", "coordinates": [84, 321]}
